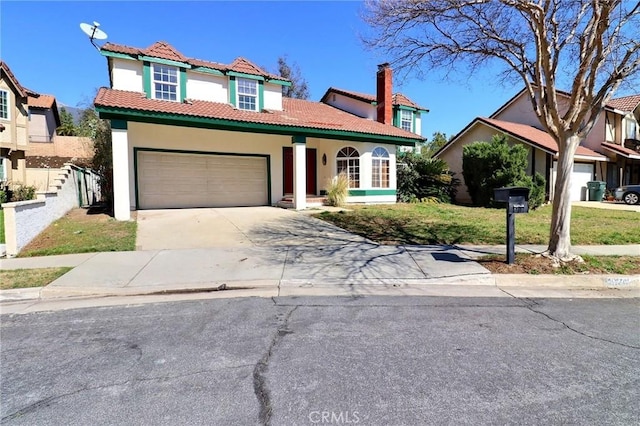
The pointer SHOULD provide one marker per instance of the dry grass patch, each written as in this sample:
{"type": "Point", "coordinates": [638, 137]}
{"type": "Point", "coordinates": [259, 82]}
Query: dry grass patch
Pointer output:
{"type": "Point", "coordinates": [537, 264]}
{"type": "Point", "coordinates": [23, 278]}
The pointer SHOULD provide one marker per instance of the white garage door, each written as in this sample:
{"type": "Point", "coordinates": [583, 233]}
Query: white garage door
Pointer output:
{"type": "Point", "coordinates": [582, 173]}
{"type": "Point", "coordinates": [176, 180]}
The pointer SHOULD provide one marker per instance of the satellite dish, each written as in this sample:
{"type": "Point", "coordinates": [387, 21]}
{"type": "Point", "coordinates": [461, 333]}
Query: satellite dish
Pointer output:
{"type": "Point", "coordinates": [93, 32]}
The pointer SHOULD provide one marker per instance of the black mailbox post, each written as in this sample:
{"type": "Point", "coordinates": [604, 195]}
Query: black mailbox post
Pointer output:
{"type": "Point", "coordinates": [517, 199]}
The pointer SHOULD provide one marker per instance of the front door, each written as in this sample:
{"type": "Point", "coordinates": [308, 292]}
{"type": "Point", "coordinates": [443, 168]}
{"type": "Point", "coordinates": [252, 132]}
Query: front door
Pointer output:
{"type": "Point", "coordinates": [287, 153]}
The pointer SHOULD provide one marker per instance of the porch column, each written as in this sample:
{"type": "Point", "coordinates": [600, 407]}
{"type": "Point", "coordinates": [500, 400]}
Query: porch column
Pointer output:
{"type": "Point", "coordinates": [299, 172]}
{"type": "Point", "coordinates": [120, 148]}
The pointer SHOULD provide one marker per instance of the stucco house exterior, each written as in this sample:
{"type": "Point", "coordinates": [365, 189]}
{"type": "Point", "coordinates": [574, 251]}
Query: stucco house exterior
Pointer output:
{"type": "Point", "coordinates": [14, 127]}
{"type": "Point", "coordinates": [603, 155]}
{"type": "Point", "coordinates": [43, 117]}
{"type": "Point", "coordinates": [193, 133]}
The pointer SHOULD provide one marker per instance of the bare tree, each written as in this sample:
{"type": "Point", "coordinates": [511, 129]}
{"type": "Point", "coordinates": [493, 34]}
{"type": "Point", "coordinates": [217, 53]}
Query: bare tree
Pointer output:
{"type": "Point", "coordinates": [588, 46]}
{"type": "Point", "coordinates": [299, 88]}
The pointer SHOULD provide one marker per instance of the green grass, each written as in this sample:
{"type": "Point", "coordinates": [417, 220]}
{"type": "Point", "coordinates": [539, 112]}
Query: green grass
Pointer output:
{"type": "Point", "coordinates": [1, 226]}
{"type": "Point", "coordinates": [72, 235]}
{"type": "Point", "coordinates": [450, 224]}
{"type": "Point", "coordinates": [22, 278]}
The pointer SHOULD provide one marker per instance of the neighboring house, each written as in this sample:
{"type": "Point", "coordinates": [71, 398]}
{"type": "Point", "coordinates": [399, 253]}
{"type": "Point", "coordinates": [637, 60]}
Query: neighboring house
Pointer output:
{"type": "Point", "coordinates": [595, 159]}
{"type": "Point", "coordinates": [194, 133]}
{"type": "Point", "coordinates": [14, 128]}
{"type": "Point", "coordinates": [43, 117]}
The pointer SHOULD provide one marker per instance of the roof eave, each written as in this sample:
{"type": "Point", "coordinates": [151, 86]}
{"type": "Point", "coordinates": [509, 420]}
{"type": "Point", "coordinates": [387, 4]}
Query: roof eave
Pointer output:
{"type": "Point", "coordinates": [109, 112]}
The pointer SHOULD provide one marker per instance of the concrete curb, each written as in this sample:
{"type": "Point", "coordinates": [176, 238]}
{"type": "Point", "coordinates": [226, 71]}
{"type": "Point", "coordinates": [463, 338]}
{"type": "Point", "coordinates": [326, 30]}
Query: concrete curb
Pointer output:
{"type": "Point", "coordinates": [585, 282]}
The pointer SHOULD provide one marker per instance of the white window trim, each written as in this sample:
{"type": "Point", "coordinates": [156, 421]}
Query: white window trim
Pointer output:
{"type": "Point", "coordinates": [410, 120]}
{"type": "Point", "coordinates": [238, 94]}
{"type": "Point", "coordinates": [377, 162]}
{"type": "Point", "coordinates": [350, 167]}
{"type": "Point", "coordinates": [8, 97]}
{"type": "Point", "coordinates": [153, 82]}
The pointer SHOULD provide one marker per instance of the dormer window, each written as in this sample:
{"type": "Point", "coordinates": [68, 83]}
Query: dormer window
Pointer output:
{"type": "Point", "coordinates": [406, 120]}
{"type": "Point", "coordinates": [165, 82]}
{"type": "Point", "coordinates": [247, 94]}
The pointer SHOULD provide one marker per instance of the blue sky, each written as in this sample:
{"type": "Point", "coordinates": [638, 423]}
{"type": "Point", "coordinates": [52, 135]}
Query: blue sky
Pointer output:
{"type": "Point", "coordinates": [45, 48]}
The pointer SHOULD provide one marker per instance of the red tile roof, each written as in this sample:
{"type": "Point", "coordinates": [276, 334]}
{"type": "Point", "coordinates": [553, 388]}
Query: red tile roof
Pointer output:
{"type": "Point", "coordinates": [296, 113]}
{"type": "Point", "coordinates": [4, 68]}
{"type": "Point", "coordinates": [164, 50]}
{"type": "Point", "coordinates": [41, 101]}
{"type": "Point", "coordinates": [619, 149]}
{"type": "Point", "coordinates": [398, 98]}
{"type": "Point", "coordinates": [626, 103]}
{"type": "Point", "coordinates": [534, 136]}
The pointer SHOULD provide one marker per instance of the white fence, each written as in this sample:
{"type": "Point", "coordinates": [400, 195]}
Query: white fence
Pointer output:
{"type": "Point", "coordinates": [24, 220]}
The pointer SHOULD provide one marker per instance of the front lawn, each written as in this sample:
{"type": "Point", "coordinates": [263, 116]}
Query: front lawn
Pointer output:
{"type": "Point", "coordinates": [83, 231]}
{"type": "Point", "coordinates": [411, 224]}
{"type": "Point", "coordinates": [22, 278]}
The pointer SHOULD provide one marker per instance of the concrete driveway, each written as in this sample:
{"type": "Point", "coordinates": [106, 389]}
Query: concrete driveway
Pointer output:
{"type": "Point", "coordinates": [234, 227]}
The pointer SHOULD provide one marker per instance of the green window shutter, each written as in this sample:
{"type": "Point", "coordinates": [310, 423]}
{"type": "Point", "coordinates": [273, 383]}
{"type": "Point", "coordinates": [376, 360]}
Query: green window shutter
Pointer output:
{"type": "Point", "coordinates": [183, 84]}
{"type": "Point", "coordinates": [260, 96]}
{"type": "Point", "coordinates": [232, 91]}
{"type": "Point", "coordinates": [146, 78]}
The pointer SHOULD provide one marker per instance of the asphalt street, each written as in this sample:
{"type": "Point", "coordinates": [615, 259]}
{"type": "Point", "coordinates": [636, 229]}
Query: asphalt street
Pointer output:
{"type": "Point", "coordinates": [325, 360]}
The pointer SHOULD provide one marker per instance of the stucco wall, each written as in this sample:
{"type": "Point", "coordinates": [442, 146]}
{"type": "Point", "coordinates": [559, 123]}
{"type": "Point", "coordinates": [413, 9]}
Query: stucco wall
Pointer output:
{"type": "Point", "coordinates": [142, 135]}
{"type": "Point", "coordinates": [359, 108]}
{"type": "Point", "coordinates": [127, 75]}
{"type": "Point", "coordinates": [63, 146]}
{"type": "Point", "coordinates": [24, 220]}
{"type": "Point", "coordinates": [207, 87]}
{"type": "Point", "coordinates": [273, 96]}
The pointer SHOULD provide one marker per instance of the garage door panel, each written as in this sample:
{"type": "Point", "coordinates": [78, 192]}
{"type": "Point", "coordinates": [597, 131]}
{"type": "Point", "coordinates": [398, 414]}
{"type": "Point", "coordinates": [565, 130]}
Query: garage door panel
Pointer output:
{"type": "Point", "coordinates": [178, 180]}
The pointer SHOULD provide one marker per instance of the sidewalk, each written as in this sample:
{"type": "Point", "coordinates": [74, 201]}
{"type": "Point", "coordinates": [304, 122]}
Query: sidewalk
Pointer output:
{"type": "Point", "coordinates": [346, 269]}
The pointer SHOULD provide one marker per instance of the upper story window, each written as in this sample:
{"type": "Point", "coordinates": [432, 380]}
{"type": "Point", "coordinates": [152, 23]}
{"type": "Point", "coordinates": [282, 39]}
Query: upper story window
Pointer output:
{"type": "Point", "coordinates": [348, 162]}
{"type": "Point", "coordinates": [631, 130]}
{"type": "Point", "coordinates": [4, 104]}
{"type": "Point", "coordinates": [247, 94]}
{"type": "Point", "coordinates": [165, 82]}
{"type": "Point", "coordinates": [406, 120]}
{"type": "Point", "coordinates": [380, 168]}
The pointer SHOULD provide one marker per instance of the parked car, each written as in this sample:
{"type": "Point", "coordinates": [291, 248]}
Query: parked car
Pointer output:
{"type": "Point", "coordinates": [630, 194]}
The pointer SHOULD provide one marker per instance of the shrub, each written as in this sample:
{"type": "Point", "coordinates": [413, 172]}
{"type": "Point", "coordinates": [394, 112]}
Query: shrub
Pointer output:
{"type": "Point", "coordinates": [22, 192]}
{"type": "Point", "coordinates": [495, 164]}
{"type": "Point", "coordinates": [337, 190]}
{"type": "Point", "coordinates": [420, 177]}
{"type": "Point", "coordinates": [3, 196]}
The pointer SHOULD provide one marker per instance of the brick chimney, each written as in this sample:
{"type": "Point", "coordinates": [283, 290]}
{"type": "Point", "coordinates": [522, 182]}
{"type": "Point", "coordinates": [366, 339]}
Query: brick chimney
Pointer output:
{"type": "Point", "coordinates": [384, 93]}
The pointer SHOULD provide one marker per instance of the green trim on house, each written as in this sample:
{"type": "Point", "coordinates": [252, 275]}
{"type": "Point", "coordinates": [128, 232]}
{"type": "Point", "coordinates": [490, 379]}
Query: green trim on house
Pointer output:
{"type": "Point", "coordinates": [413, 125]}
{"type": "Point", "coordinates": [396, 117]}
{"type": "Point", "coordinates": [183, 84]}
{"type": "Point", "coordinates": [243, 75]}
{"type": "Point", "coordinates": [298, 139]}
{"type": "Point", "coordinates": [164, 61]}
{"type": "Point", "coordinates": [206, 70]}
{"type": "Point", "coordinates": [119, 124]}
{"type": "Point", "coordinates": [136, 150]}
{"type": "Point", "coordinates": [260, 95]}
{"type": "Point", "coordinates": [118, 55]}
{"type": "Point", "coordinates": [233, 98]}
{"type": "Point", "coordinates": [365, 192]}
{"type": "Point", "coordinates": [242, 126]}
{"type": "Point", "coordinates": [406, 108]}
{"type": "Point", "coordinates": [146, 78]}
{"type": "Point", "coordinates": [280, 82]}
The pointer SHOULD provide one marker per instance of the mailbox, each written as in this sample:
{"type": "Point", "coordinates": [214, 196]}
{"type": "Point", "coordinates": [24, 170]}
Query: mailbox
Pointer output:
{"type": "Point", "coordinates": [517, 199]}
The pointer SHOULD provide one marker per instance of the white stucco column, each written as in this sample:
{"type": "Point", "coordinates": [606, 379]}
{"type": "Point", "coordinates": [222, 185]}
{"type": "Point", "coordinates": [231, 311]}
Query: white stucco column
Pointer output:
{"type": "Point", "coordinates": [299, 172]}
{"type": "Point", "coordinates": [120, 147]}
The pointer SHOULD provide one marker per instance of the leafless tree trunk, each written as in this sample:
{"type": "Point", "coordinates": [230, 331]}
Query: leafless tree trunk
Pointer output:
{"type": "Point", "coordinates": [588, 46]}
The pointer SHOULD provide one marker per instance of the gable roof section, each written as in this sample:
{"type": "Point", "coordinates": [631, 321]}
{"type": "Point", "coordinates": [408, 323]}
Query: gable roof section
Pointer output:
{"type": "Point", "coordinates": [625, 104]}
{"type": "Point", "coordinates": [621, 150]}
{"type": "Point", "coordinates": [297, 116]}
{"type": "Point", "coordinates": [40, 101]}
{"type": "Point", "coordinates": [527, 134]}
{"type": "Point", "coordinates": [398, 98]}
{"type": "Point", "coordinates": [523, 91]}
{"type": "Point", "coordinates": [163, 50]}
{"type": "Point", "coordinates": [6, 73]}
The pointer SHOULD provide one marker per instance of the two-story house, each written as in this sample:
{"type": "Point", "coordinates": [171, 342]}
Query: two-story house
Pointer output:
{"type": "Point", "coordinates": [193, 133]}
{"type": "Point", "coordinates": [43, 117]}
{"type": "Point", "coordinates": [599, 157]}
{"type": "Point", "coordinates": [14, 127]}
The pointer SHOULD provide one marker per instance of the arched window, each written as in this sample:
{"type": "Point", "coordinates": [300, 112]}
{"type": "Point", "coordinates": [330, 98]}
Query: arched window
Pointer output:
{"type": "Point", "coordinates": [348, 162]}
{"type": "Point", "coordinates": [380, 168]}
